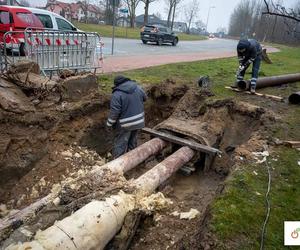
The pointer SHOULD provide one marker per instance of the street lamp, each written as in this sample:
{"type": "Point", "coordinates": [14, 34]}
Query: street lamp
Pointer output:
{"type": "Point", "coordinates": [211, 7]}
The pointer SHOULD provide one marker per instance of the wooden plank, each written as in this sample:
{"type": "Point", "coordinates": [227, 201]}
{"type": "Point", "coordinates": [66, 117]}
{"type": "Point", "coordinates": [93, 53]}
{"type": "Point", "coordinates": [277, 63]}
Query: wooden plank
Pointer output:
{"type": "Point", "coordinates": [181, 141]}
{"type": "Point", "coordinates": [293, 144]}
{"type": "Point", "coordinates": [273, 97]}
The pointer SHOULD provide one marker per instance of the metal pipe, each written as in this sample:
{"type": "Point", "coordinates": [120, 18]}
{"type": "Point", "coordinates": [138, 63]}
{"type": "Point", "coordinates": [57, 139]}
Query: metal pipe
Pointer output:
{"type": "Point", "coordinates": [95, 224]}
{"type": "Point", "coordinates": [148, 182]}
{"type": "Point", "coordinates": [294, 98]}
{"type": "Point", "coordinates": [120, 165]}
{"type": "Point", "coordinates": [270, 81]}
{"type": "Point", "coordinates": [136, 156]}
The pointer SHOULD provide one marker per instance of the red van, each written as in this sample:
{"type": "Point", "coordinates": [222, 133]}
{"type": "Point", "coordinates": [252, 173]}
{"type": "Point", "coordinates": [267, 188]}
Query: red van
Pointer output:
{"type": "Point", "coordinates": [14, 18]}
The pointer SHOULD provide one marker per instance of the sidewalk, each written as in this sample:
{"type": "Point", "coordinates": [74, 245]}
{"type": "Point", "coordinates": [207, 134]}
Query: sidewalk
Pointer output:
{"type": "Point", "coordinates": [123, 63]}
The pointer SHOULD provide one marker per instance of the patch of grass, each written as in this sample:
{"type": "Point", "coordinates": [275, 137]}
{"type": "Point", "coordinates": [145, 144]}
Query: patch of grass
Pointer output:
{"type": "Point", "coordinates": [121, 32]}
{"type": "Point", "coordinates": [240, 212]}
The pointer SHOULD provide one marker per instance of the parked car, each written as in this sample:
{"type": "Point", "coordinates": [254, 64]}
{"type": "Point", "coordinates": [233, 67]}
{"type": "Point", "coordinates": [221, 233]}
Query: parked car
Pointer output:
{"type": "Point", "coordinates": [51, 20]}
{"type": "Point", "coordinates": [158, 34]}
{"type": "Point", "coordinates": [14, 18]}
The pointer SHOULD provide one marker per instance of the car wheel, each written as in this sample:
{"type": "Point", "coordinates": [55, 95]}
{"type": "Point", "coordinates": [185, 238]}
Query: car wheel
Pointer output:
{"type": "Point", "coordinates": [144, 42]}
{"type": "Point", "coordinates": [160, 41]}
{"type": "Point", "coordinates": [175, 41]}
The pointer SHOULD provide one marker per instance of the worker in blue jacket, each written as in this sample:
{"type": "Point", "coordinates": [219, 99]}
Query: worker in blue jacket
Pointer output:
{"type": "Point", "coordinates": [249, 51]}
{"type": "Point", "coordinates": [126, 114]}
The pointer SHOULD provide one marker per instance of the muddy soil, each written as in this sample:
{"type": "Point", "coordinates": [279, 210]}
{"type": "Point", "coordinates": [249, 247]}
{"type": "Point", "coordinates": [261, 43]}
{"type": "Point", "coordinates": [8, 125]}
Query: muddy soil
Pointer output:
{"type": "Point", "coordinates": [67, 139]}
{"type": "Point", "coordinates": [34, 154]}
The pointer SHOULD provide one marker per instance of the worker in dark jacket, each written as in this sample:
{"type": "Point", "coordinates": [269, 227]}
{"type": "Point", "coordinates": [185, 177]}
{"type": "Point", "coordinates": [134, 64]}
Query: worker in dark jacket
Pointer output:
{"type": "Point", "coordinates": [249, 51]}
{"type": "Point", "coordinates": [126, 114]}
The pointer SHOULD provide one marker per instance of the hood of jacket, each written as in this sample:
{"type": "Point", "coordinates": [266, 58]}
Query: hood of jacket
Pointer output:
{"type": "Point", "coordinates": [120, 79]}
{"type": "Point", "coordinates": [243, 45]}
{"type": "Point", "coordinates": [127, 87]}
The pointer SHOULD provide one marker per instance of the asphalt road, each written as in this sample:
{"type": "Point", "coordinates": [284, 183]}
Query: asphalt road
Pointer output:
{"type": "Point", "coordinates": [131, 47]}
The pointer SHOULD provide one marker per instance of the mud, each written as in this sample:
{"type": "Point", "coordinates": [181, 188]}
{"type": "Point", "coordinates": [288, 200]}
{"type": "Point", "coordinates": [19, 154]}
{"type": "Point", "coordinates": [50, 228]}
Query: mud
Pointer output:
{"type": "Point", "coordinates": [57, 141]}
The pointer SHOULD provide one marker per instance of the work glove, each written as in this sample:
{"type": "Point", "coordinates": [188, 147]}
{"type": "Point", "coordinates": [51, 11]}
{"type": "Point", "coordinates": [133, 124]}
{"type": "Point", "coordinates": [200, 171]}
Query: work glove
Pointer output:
{"type": "Point", "coordinates": [241, 67]}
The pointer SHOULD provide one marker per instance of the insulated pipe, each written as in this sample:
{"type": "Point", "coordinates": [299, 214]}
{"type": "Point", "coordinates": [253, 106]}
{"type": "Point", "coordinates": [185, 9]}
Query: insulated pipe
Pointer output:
{"type": "Point", "coordinates": [270, 81]}
{"type": "Point", "coordinates": [120, 165]}
{"type": "Point", "coordinates": [148, 182]}
{"type": "Point", "coordinates": [136, 156]}
{"type": "Point", "coordinates": [294, 98]}
{"type": "Point", "coordinates": [95, 224]}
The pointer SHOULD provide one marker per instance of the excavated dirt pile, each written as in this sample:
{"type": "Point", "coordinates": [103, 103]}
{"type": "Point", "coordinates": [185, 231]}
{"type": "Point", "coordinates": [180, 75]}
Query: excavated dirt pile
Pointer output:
{"type": "Point", "coordinates": [53, 137]}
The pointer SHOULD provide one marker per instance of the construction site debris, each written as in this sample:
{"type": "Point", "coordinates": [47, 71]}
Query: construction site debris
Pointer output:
{"type": "Point", "coordinates": [273, 97]}
{"type": "Point", "coordinates": [154, 202]}
{"type": "Point", "coordinates": [193, 213]}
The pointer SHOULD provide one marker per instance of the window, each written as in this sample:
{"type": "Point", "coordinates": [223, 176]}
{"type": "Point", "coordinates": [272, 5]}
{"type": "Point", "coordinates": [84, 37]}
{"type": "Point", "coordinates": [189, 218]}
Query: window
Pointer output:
{"type": "Point", "coordinates": [46, 20]}
{"type": "Point", "coordinates": [29, 19]}
{"type": "Point", "coordinates": [4, 17]}
{"type": "Point", "coordinates": [163, 29]}
{"type": "Point", "coordinates": [63, 25]}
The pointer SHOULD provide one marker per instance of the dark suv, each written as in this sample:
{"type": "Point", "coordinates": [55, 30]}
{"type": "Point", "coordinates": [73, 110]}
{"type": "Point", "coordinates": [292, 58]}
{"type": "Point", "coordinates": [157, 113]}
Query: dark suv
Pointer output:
{"type": "Point", "coordinates": [158, 34]}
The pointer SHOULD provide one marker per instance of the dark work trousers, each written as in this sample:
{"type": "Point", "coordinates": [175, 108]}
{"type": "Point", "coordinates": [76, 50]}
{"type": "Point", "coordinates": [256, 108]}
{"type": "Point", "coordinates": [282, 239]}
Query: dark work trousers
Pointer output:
{"type": "Point", "coordinates": [255, 70]}
{"type": "Point", "coordinates": [125, 141]}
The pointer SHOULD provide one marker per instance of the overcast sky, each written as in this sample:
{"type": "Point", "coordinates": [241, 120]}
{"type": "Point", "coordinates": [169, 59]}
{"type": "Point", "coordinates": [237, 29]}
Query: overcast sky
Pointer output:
{"type": "Point", "coordinates": [220, 10]}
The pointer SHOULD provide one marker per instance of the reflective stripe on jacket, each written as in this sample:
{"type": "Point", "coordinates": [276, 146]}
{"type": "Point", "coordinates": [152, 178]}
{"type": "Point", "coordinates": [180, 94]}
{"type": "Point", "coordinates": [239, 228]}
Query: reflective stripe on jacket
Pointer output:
{"type": "Point", "coordinates": [127, 106]}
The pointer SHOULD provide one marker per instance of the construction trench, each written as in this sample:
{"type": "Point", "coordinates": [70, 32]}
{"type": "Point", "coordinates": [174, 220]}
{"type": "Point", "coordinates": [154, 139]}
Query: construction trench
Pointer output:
{"type": "Point", "coordinates": [60, 188]}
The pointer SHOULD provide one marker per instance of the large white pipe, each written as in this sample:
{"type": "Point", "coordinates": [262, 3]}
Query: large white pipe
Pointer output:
{"type": "Point", "coordinates": [120, 165]}
{"type": "Point", "coordinates": [95, 224]}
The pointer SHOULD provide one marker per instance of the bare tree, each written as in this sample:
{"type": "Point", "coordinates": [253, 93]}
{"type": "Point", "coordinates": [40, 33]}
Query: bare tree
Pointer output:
{"type": "Point", "coordinates": [147, 3]}
{"type": "Point", "coordinates": [247, 21]}
{"type": "Point", "coordinates": [280, 10]}
{"type": "Point", "coordinates": [170, 4]}
{"type": "Point", "coordinates": [176, 2]}
{"type": "Point", "coordinates": [171, 10]}
{"type": "Point", "coordinates": [200, 25]}
{"type": "Point", "coordinates": [131, 5]}
{"type": "Point", "coordinates": [85, 6]}
{"type": "Point", "coordinates": [191, 12]}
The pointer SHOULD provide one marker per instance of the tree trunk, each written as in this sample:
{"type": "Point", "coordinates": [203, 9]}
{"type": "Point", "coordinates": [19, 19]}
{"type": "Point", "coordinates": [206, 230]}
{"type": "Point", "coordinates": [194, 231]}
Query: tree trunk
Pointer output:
{"type": "Point", "coordinates": [170, 13]}
{"type": "Point", "coordinates": [174, 9]}
{"type": "Point", "coordinates": [132, 15]}
{"type": "Point", "coordinates": [147, 2]}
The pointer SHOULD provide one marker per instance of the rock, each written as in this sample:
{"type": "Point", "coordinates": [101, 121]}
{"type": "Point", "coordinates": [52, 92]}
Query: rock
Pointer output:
{"type": "Point", "coordinates": [56, 201]}
{"type": "Point", "coordinates": [12, 99]}
{"type": "Point", "coordinates": [67, 153]}
{"type": "Point", "coordinates": [77, 155]}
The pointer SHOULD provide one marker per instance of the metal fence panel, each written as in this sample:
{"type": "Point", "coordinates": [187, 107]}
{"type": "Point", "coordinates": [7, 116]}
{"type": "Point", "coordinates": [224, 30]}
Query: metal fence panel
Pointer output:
{"type": "Point", "coordinates": [53, 50]}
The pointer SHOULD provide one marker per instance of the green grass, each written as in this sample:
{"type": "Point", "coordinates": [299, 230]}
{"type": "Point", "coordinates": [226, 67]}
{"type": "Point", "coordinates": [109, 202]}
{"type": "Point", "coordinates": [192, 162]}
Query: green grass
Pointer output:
{"type": "Point", "coordinates": [238, 214]}
{"type": "Point", "coordinates": [106, 31]}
